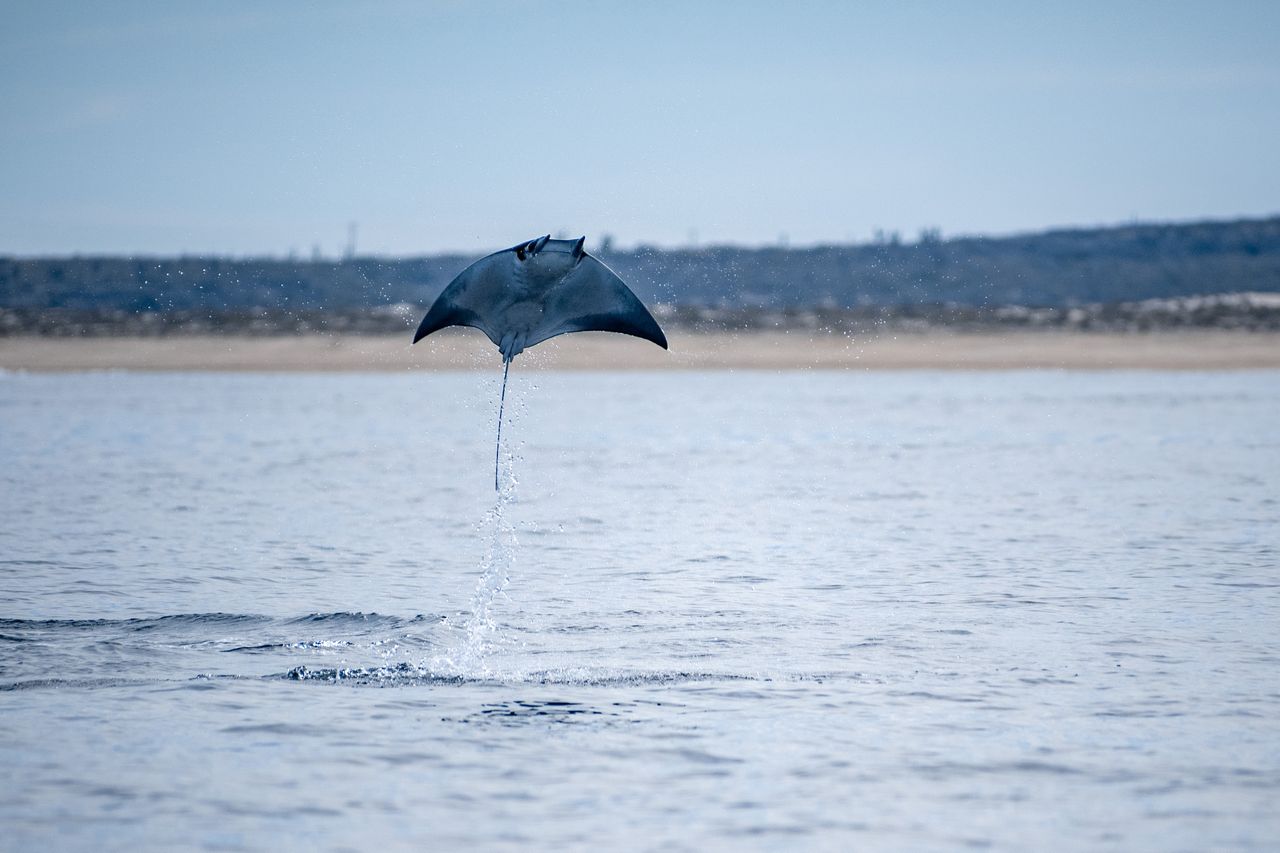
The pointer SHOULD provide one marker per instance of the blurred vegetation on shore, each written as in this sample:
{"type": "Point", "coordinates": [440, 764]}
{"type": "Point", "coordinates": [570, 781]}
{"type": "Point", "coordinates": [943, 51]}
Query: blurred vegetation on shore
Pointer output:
{"type": "Point", "coordinates": [1125, 278]}
{"type": "Point", "coordinates": [1252, 312]}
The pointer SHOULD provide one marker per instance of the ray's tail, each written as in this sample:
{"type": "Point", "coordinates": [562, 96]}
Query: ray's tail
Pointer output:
{"type": "Point", "coordinates": [502, 401]}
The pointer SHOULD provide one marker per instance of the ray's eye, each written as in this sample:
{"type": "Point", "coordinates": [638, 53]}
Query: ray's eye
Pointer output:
{"type": "Point", "coordinates": [520, 252]}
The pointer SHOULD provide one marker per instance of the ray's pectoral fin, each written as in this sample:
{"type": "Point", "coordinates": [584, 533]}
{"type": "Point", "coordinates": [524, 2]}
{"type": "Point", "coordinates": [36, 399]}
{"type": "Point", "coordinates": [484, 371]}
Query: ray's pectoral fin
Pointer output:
{"type": "Point", "coordinates": [433, 322]}
{"type": "Point", "coordinates": [638, 324]}
{"type": "Point", "coordinates": [445, 313]}
{"type": "Point", "coordinates": [593, 299]}
{"type": "Point", "coordinates": [466, 301]}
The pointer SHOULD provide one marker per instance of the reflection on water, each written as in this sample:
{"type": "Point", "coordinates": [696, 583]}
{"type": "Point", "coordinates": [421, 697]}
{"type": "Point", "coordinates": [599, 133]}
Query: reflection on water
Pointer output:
{"type": "Point", "coordinates": [838, 610]}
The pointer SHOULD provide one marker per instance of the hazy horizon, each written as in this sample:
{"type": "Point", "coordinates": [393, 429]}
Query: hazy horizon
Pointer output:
{"type": "Point", "coordinates": [170, 129]}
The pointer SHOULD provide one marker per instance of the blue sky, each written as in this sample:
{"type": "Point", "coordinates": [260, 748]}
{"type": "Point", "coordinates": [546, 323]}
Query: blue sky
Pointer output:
{"type": "Point", "coordinates": [260, 128]}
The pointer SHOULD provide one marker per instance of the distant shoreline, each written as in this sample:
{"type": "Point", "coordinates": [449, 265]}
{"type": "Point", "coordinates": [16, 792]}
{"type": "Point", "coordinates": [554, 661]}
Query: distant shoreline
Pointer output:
{"type": "Point", "coordinates": [1056, 270]}
{"type": "Point", "coordinates": [468, 350]}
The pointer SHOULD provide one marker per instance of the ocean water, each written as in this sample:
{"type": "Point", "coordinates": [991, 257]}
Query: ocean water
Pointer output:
{"type": "Point", "coordinates": [736, 610]}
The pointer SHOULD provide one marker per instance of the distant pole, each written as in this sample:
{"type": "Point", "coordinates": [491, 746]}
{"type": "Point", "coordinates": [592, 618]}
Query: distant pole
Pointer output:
{"type": "Point", "coordinates": [351, 241]}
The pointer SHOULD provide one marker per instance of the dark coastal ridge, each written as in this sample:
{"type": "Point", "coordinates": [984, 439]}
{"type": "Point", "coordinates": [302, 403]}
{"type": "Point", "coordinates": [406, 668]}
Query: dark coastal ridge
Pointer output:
{"type": "Point", "coordinates": [1130, 276]}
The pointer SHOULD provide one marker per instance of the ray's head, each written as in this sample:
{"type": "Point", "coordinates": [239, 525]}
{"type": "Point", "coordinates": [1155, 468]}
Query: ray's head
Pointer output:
{"type": "Point", "coordinates": [547, 258]}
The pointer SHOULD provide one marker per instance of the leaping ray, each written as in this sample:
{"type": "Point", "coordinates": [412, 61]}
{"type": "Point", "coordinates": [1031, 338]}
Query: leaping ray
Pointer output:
{"type": "Point", "coordinates": [537, 290]}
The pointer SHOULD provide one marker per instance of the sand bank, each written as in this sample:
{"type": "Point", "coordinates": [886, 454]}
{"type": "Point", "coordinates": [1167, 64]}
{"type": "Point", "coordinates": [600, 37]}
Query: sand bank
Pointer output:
{"type": "Point", "coordinates": [1190, 350]}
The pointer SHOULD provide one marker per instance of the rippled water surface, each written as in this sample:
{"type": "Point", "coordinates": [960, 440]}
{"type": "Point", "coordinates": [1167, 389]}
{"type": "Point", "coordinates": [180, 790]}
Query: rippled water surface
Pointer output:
{"type": "Point", "coordinates": [735, 610]}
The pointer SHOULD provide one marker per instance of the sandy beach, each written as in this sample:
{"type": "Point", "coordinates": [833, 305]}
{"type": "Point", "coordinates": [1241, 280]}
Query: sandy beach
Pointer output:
{"type": "Point", "coordinates": [1191, 350]}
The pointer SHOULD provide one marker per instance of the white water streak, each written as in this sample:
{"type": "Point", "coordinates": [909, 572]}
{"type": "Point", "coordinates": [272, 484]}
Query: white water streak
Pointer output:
{"type": "Point", "coordinates": [480, 638]}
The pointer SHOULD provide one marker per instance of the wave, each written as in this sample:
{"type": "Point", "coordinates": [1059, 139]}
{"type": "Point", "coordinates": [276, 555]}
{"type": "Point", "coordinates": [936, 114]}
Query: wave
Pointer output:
{"type": "Point", "coordinates": [360, 618]}
{"type": "Point", "coordinates": [150, 623]}
{"type": "Point", "coordinates": [407, 674]}
{"type": "Point", "coordinates": [72, 683]}
{"type": "Point", "coordinates": [132, 624]}
{"type": "Point", "coordinates": [415, 675]}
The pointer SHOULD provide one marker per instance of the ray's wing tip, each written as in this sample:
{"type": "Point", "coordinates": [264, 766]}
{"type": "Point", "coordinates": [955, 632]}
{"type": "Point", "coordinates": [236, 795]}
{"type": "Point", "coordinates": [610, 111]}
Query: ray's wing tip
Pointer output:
{"type": "Point", "coordinates": [422, 332]}
{"type": "Point", "coordinates": [430, 323]}
{"type": "Point", "coordinates": [655, 332]}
